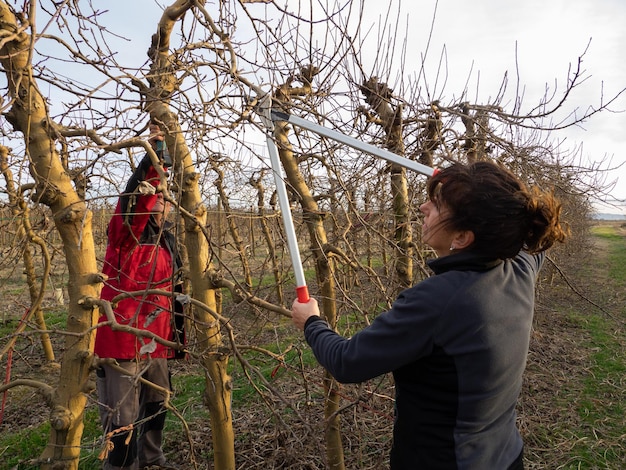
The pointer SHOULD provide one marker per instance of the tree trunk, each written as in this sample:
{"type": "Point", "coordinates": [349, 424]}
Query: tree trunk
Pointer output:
{"type": "Point", "coordinates": [73, 221]}
{"type": "Point", "coordinates": [271, 246]}
{"type": "Point", "coordinates": [20, 209]}
{"type": "Point", "coordinates": [214, 356]}
{"type": "Point", "coordinates": [232, 226]}
{"type": "Point", "coordinates": [218, 389]}
{"type": "Point", "coordinates": [29, 115]}
{"type": "Point", "coordinates": [324, 269]}
{"type": "Point", "coordinates": [378, 96]}
{"type": "Point", "coordinates": [475, 145]}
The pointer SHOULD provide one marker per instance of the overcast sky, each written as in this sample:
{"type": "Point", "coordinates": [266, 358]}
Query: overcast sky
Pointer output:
{"type": "Point", "coordinates": [538, 41]}
{"type": "Point", "coordinates": [545, 37]}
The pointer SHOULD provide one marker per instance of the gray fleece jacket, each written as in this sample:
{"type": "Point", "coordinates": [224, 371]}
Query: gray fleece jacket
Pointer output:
{"type": "Point", "coordinates": [456, 344]}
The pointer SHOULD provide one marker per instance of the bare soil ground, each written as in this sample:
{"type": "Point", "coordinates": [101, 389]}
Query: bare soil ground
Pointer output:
{"type": "Point", "coordinates": [269, 435]}
{"type": "Point", "coordinates": [560, 361]}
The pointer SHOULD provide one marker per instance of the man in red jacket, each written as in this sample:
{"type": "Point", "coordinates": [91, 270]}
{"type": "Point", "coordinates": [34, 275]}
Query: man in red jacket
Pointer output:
{"type": "Point", "coordinates": [141, 255]}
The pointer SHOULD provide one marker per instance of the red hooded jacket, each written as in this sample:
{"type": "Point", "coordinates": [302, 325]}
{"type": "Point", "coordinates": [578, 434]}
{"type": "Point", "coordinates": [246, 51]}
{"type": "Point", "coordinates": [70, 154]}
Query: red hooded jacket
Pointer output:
{"type": "Point", "coordinates": [139, 256]}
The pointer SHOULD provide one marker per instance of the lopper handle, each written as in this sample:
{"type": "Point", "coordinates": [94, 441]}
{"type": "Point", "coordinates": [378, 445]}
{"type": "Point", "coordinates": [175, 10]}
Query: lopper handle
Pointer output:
{"type": "Point", "coordinates": [303, 294]}
{"type": "Point", "coordinates": [290, 232]}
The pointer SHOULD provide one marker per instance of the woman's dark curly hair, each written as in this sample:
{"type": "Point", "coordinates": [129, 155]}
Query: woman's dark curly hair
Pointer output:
{"type": "Point", "coordinates": [504, 215]}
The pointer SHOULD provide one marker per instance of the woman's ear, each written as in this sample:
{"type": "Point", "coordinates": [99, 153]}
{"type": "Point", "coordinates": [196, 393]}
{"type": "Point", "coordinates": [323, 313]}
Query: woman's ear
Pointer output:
{"type": "Point", "coordinates": [463, 239]}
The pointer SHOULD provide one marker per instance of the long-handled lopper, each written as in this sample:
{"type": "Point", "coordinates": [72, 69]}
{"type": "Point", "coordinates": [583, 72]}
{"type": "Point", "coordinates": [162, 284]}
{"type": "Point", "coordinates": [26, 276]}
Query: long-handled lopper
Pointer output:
{"type": "Point", "coordinates": [269, 117]}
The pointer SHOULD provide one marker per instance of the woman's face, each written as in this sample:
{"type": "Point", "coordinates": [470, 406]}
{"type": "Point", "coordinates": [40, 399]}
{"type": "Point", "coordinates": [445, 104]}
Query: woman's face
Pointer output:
{"type": "Point", "coordinates": [155, 134]}
{"type": "Point", "coordinates": [160, 210]}
{"type": "Point", "coordinates": [434, 231]}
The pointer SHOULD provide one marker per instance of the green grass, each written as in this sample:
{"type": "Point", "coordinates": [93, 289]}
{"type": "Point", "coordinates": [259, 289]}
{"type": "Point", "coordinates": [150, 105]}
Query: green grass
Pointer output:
{"type": "Point", "coordinates": [91, 440]}
{"type": "Point", "coordinates": [599, 401]}
{"type": "Point", "coordinates": [55, 317]}
{"type": "Point", "coordinates": [600, 405]}
{"type": "Point", "coordinates": [20, 448]}
{"type": "Point", "coordinates": [600, 441]}
{"type": "Point", "coordinates": [269, 367]}
{"type": "Point", "coordinates": [617, 250]}
{"type": "Point", "coordinates": [187, 399]}
{"type": "Point", "coordinates": [25, 444]}
{"type": "Point", "coordinates": [17, 448]}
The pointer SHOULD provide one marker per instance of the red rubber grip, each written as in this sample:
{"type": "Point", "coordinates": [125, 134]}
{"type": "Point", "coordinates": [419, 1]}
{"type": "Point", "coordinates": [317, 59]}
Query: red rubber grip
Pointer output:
{"type": "Point", "coordinates": [303, 294]}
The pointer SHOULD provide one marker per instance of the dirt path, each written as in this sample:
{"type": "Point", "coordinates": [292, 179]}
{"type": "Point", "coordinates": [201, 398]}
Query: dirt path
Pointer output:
{"type": "Point", "coordinates": [562, 364]}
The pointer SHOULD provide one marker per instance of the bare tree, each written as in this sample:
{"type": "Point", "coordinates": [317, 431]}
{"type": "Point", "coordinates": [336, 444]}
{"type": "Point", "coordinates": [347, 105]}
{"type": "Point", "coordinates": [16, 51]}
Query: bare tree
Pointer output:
{"type": "Point", "coordinates": [21, 211]}
{"type": "Point", "coordinates": [357, 219]}
{"type": "Point", "coordinates": [29, 115]}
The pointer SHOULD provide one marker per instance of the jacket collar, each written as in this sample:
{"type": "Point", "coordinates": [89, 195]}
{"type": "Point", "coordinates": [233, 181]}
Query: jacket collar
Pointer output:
{"type": "Point", "coordinates": [465, 261]}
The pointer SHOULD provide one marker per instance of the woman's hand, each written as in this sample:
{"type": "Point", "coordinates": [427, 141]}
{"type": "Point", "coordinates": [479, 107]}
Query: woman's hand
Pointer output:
{"type": "Point", "coordinates": [300, 312]}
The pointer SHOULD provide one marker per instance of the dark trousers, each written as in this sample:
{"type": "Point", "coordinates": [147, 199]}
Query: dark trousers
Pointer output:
{"type": "Point", "coordinates": [125, 401]}
{"type": "Point", "coordinates": [519, 462]}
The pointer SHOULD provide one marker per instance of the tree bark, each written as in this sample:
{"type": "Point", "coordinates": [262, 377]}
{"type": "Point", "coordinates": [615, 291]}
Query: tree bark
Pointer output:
{"type": "Point", "coordinates": [378, 96]}
{"type": "Point", "coordinates": [214, 356]}
{"type": "Point", "coordinates": [29, 115]}
{"type": "Point", "coordinates": [271, 246]}
{"type": "Point", "coordinates": [324, 269]}
{"type": "Point", "coordinates": [232, 226]}
{"type": "Point", "coordinates": [20, 209]}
